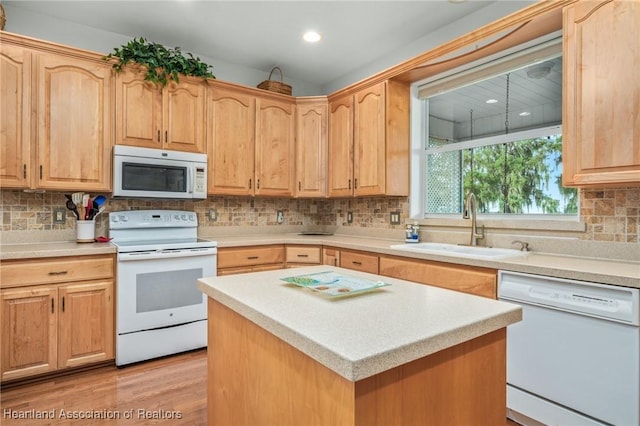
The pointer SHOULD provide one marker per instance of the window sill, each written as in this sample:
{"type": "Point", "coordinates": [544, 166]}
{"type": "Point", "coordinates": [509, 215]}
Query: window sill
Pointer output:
{"type": "Point", "coordinates": [554, 224]}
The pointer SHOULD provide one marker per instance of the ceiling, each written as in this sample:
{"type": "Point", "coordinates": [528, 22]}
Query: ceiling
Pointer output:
{"type": "Point", "coordinates": [537, 97]}
{"type": "Point", "coordinates": [263, 34]}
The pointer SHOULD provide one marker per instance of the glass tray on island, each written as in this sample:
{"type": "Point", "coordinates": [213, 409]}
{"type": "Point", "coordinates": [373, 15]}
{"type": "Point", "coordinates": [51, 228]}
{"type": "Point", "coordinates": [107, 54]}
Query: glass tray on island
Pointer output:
{"type": "Point", "coordinates": [334, 284]}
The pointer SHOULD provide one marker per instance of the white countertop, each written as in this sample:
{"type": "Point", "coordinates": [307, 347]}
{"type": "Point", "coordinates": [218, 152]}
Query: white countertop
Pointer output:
{"type": "Point", "coordinates": [599, 270]}
{"type": "Point", "coordinates": [360, 335]}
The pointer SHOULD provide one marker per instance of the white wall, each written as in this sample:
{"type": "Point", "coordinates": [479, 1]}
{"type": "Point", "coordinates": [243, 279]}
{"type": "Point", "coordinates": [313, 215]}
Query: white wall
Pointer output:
{"type": "Point", "coordinates": [44, 27]}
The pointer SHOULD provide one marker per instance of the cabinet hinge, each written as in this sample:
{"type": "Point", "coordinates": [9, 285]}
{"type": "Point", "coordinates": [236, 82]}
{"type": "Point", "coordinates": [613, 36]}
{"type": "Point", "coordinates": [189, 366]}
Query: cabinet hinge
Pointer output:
{"type": "Point", "coordinates": [40, 171]}
{"type": "Point", "coordinates": [24, 171]}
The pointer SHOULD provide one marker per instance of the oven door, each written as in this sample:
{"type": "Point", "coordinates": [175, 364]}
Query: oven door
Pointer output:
{"type": "Point", "coordinates": [158, 289]}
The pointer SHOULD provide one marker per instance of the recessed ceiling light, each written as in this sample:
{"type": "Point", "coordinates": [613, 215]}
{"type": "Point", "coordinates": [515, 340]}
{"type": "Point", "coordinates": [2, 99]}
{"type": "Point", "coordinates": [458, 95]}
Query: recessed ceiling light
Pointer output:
{"type": "Point", "coordinates": [312, 37]}
{"type": "Point", "coordinates": [491, 101]}
{"type": "Point", "coordinates": [524, 113]}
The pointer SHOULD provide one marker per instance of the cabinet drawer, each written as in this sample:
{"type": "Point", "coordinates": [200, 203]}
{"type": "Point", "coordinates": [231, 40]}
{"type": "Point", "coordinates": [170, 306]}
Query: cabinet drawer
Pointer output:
{"type": "Point", "coordinates": [17, 273]}
{"type": "Point", "coordinates": [359, 261]}
{"type": "Point", "coordinates": [467, 279]}
{"type": "Point", "coordinates": [231, 257]}
{"type": "Point", "coordinates": [303, 254]}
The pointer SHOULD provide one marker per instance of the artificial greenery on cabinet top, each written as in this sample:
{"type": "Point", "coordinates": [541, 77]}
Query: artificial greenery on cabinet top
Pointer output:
{"type": "Point", "coordinates": [162, 64]}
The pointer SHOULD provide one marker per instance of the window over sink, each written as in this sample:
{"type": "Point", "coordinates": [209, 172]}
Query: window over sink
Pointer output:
{"type": "Point", "coordinates": [494, 128]}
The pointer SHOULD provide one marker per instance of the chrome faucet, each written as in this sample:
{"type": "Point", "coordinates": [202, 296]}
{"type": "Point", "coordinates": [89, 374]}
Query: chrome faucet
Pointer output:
{"type": "Point", "coordinates": [470, 212]}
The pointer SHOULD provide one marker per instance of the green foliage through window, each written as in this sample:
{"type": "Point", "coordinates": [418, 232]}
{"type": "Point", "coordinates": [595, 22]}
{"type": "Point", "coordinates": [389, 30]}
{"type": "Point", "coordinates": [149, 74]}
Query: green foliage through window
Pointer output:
{"type": "Point", "coordinates": [518, 177]}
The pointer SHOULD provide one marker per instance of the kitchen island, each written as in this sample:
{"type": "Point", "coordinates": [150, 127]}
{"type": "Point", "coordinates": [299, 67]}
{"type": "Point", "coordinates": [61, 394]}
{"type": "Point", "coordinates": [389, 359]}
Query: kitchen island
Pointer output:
{"type": "Point", "coordinates": [401, 354]}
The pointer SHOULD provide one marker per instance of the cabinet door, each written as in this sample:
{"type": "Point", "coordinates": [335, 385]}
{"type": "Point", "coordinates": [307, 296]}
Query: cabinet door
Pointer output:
{"type": "Point", "coordinates": [304, 255]}
{"type": "Point", "coordinates": [359, 261]}
{"type": "Point", "coordinates": [138, 110]}
{"type": "Point", "coordinates": [230, 141]}
{"type": "Point", "coordinates": [15, 105]}
{"type": "Point", "coordinates": [601, 101]}
{"type": "Point", "coordinates": [467, 279]}
{"type": "Point", "coordinates": [29, 337]}
{"type": "Point", "coordinates": [275, 159]}
{"type": "Point", "coordinates": [340, 162]}
{"type": "Point", "coordinates": [74, 123]}
{"type": "Point", "coordinates": [330, 256]}
{"type": "Point", "coordinates": [85, 323]}
{"type": "Point", "coordinates": [311, 148]}
{"type": "Point", "coordinates": [184, 116]}
{"type": "Point", "coordinates": [369, 141]}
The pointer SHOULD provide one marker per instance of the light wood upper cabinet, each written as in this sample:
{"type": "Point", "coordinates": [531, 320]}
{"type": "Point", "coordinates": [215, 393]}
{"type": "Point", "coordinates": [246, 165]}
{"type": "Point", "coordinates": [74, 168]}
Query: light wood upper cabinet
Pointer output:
{"type": "Point", "coordinates": [275, 138]}
{"type": "Point", "coordinates": [149, 116]}
{"type": "Point", "coordinates": [74, 111]}
{"type": "Point", "coordinates": [15, 106]}
{"type": "Point", "coordinates": [340, 163]}
{"type": "Point", "coordinates": [601, 128]}
{"type": "Point", "coordinates": [230, 141]}
{"type": "Point", "coordinates": [250, 141]}
{"type": "Point", "coordinates": [138, 111]}
{"type": "Point", "coordinates": [369, 142]}
{"type": "Point", "coordinates": [311, 147]}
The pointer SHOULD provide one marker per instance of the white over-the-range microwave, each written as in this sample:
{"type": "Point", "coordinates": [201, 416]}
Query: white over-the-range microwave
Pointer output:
{"type": "Point", "coordinates": [158, 173]}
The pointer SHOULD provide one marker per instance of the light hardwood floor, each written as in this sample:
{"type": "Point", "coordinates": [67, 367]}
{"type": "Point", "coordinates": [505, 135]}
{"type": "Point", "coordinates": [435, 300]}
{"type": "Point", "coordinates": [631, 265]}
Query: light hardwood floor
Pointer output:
{"type": "Point", "coordinates": [157, 392]}
{"type": "Point", "coordinates": [161, 387]}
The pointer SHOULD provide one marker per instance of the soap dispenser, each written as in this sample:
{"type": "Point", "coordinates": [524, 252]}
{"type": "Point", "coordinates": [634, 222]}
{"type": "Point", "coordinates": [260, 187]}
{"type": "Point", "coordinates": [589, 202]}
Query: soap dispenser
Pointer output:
{"type": "Point", "coordinates": [412, 234]}
{"type": "Point", "coordinates": [408, 234]}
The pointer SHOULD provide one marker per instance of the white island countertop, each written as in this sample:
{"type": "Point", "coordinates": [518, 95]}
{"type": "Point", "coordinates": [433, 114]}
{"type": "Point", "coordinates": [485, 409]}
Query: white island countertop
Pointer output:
{"type": "Point", "coordinates": [360, 335]}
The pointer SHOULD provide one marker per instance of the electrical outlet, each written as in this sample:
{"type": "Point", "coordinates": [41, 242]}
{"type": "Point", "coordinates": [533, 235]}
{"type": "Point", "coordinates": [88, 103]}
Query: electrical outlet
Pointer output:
{"type": "Point", "coordinates": [395, 218]}
{"type": "Point", "coordinates": [280, 216]}
{"type": "Point", "coordinates": [59, 215]}
{"type": "Point", "coordinates": [213, 215]}
{"type": "Point", "coordinates": [349, 217]}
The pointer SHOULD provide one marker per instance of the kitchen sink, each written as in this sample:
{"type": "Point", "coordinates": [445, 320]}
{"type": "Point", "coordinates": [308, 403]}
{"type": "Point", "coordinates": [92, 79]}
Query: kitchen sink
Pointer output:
{"type": "Point", "coordinates": [474, 252]}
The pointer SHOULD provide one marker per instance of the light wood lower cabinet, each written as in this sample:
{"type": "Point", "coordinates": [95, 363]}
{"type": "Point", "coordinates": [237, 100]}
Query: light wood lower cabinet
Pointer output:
{"type": "Point", "coordinates": [359, 261]}
{"type": "Point", "coordinates": [467, 279]}
{"type": "Point", "coordinates": [240, 260]}
{"type": "Point", "coordinates": [302, 255]}
{"type": "Point", "coordinates": [68, 322]}
{"type": "Point", "coordinates": [330, 256]}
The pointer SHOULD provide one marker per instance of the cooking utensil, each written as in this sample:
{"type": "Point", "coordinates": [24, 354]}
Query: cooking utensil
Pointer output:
{"type": "Point", "coordinates": [100, 199]}
{"type": "Point", "coordinates": [100, 210]}
{"type": "Point", "coordinates": [71, 206]}
{"type": "Point", "coordinates": [85, 204]}
{"type": "Point", "coordinates": [76, 197]}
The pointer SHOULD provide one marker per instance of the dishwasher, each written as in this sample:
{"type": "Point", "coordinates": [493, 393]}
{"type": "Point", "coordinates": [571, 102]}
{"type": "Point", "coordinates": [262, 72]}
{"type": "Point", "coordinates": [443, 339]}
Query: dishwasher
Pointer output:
{"type": "Point", "coordinates": [574, 359]}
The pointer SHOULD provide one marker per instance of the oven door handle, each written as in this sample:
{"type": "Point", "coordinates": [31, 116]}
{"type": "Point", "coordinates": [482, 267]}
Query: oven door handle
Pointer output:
{"type": "Point", "coordinates": [166, 254]}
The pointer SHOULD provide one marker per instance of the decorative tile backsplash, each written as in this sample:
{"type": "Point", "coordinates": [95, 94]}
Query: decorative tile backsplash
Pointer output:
{"type": "Point", "coordinates": [610, 214]}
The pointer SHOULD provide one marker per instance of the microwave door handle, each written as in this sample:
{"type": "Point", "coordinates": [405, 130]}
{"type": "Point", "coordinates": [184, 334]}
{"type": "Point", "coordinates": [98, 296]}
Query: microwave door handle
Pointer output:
{"type": "Point", "coordinates": [191, 180]}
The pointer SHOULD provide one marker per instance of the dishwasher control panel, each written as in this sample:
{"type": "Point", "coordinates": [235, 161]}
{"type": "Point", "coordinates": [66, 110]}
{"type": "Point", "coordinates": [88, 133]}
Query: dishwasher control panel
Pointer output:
{"type": "Point", "coordinates": [593, 299]}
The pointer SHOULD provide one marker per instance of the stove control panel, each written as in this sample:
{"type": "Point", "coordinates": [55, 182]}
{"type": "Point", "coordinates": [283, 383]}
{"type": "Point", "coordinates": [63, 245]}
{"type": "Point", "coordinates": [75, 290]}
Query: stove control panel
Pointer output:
{"type": "Point", "coordinates": [152, 219]}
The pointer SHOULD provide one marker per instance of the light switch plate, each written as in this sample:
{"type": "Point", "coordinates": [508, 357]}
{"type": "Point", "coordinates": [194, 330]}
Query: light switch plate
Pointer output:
{"type": "Point", "coordinates": [213, 215]}
{"type": "Point", "coordinates": [59, 215]}
{"type": "Point", "coordinates": [349, 217]}
{"type": "Point", "coordinates": [394, 218]}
